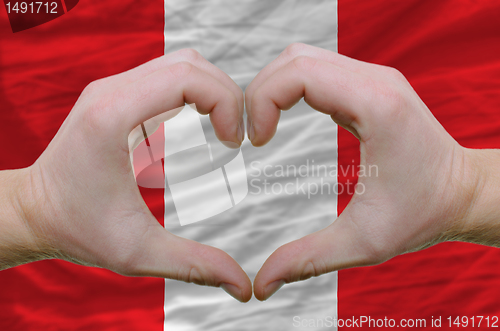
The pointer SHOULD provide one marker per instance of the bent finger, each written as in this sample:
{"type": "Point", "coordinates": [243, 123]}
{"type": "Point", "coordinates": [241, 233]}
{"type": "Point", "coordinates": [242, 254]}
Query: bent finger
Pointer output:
{"type": "Point", "coordinates": [298, 49]}
{"type": "Point", "coordinates": [168, 89]}
{"type": "Point", "coordinates": [327, 88]}
{"type": "Point", "coordinates": [183, 55]}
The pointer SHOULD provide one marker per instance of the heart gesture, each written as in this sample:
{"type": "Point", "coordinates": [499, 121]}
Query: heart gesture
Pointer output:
{"type": "Point", "coordinates": [79, 201]}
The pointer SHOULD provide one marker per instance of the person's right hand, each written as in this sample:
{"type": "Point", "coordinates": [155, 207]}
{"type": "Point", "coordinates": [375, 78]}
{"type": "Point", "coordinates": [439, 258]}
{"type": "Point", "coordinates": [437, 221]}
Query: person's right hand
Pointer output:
{"type": "Point", "coordinates": [426, 187]}
{"type": "Point", "coordinates": [79, 201]}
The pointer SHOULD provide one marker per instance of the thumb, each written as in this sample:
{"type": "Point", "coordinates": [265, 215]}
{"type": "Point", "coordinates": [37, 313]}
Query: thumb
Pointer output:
{"type": "Point", "coordinates": [162, 254]}
{"type": "Point", "coordinates": [333, 248]}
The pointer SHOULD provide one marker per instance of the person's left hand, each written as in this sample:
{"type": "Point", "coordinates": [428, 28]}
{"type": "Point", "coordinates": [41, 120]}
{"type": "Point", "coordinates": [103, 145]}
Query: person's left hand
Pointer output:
{"type": "Point", "coordinates": [425, 185]}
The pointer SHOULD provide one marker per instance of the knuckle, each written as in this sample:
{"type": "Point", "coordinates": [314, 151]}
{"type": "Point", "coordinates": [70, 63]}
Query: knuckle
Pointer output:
{"type": "Point", "coordinates": [311, 269]}
{"type": "Point", "coordinates": [390, 100]}
{"type": "Point", "coordinates": [304, 63]}
{"type": "Point", "coordinates": [190, 54]}
{"type": "Point", "coordinates": [92, 88]}
{"type": "Point", "coordinates": [181, 69]}
{"type": "Point", "coordinates": [397, 75]}
{"type": "Point", "coordinates": [394, 74]}
{"type": "Point", "coordinates": [98, 112]}
{"type": "Point", "coordinates": [97, 105]}
{"type": "Point", "coordinates": [295, 49]}
{"type": "Point", "coordinates": [194, 270]}
{"type": "Point", "coordinates": [194, 276]}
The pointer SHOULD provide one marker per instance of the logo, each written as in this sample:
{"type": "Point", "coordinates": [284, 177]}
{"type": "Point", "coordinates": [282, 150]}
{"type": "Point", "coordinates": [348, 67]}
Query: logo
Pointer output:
{"type": "Point", "coordinates": [204, 177]}
{"type": "Point", "coordinates": [24, 15]}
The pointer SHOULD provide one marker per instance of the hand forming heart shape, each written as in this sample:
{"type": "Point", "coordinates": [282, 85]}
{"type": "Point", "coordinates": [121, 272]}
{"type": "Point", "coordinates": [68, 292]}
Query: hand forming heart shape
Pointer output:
{"type": "Point", "coordinates": [80, 202]}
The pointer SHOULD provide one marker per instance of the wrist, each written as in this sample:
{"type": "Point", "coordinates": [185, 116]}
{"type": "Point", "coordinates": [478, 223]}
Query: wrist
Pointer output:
{"type": "Point", "coordinates": [19, 244]}
{"type": "Point", "coordinates": [480, 220]}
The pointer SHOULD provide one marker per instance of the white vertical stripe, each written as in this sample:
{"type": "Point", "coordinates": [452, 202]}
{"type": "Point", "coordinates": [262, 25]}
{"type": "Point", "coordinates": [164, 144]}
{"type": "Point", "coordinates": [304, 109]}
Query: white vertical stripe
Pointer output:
{"type": "Point", "coordinates": [241, 37]}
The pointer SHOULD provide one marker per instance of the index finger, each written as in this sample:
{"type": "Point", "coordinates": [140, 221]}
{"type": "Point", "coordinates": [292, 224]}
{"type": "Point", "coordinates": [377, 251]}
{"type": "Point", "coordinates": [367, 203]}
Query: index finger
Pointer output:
{"type": "Point", "coordinates": [185, 55]}
{"type": "Point", "coordinates": [160, 63]}
{"type": "Point", "coordinates": [298, 49]}
{"type": "Point", "coordinates": [326, 87]}
{"type": "Point", "coordinates": [116, 114]}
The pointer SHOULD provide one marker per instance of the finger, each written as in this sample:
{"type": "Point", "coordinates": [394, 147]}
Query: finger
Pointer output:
{"type": "Point", "coordinates": [336, 247]}
{"type": "Point", "coordinates": [298, 49]}
{"type": "Point", "coordinates": [330, 89]}
{"type": "Point", "coordinates": [183, 55]}
{"type": "Point", "coordinates": [168, 89]}
{"type": "Point", "coordinates": [165, 255]}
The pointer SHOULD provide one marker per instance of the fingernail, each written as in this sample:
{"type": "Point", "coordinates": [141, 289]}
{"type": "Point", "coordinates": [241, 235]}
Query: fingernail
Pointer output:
{"type": "Point", "coordinates": [230, 144]}
{"type": "Point", "coordinates": [273, 288]}
{"type": "Point", "coordinates": [232, 290]}
{"type": "Point", "coordinates": [250, 129]}
{"type": "Point", "coordinates": [241, 130]}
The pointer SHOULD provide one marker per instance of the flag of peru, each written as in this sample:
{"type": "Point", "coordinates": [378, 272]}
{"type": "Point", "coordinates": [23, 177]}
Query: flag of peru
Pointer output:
{"type": "Point", "coordinates": [250, 201]}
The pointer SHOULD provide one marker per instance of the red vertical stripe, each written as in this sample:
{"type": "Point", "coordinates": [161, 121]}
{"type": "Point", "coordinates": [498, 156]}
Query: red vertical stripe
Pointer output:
{"type": "Point", "coordinates": [449, 51]}
{"type": "Point", "coordinates": [42, 72]}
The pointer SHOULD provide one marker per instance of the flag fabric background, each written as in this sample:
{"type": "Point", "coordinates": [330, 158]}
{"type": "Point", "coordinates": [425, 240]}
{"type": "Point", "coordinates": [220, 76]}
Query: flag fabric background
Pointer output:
{"type": "Point", "coordinates": [448, 50]}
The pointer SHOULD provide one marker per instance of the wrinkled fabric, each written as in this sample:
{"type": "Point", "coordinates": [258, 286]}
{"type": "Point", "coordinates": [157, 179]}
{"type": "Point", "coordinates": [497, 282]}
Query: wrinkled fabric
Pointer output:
{"type": "Point", "coordinates": [241, 38]}
{"type": "Point", "coordinates": [448, 50]}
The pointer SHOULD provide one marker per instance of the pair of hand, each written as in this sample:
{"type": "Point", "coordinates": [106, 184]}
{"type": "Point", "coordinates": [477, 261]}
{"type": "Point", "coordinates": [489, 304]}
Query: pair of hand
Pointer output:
{"type": "Point", "coordinates": [80, 201]}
